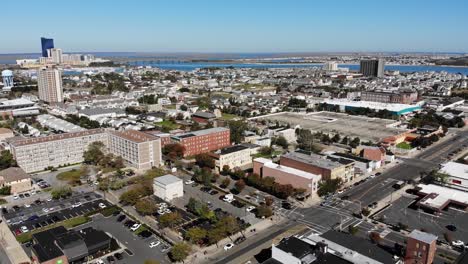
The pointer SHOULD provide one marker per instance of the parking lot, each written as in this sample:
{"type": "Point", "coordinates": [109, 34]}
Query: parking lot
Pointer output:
{"type": "Point", "coordinates": [44, 213]}
{"type": "Point", "coordinates": [329, 122]}
{"type": "Point", "coordinates": [401, 212]}
{"type": "Point", "coordinates": [215, 201]}
{"type": "Point", "coordinates": [139, 247]}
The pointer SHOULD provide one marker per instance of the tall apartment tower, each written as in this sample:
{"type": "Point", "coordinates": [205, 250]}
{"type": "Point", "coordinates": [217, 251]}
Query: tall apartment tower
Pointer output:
{"type": "Point", "coordinates": [49, 82]}
{"type": "Point", "coordinates": [374, 68]}
{"type": "Point", "coordinates": [330, 66]}
{"type": "Point", "coordinates": [420, 248]}
{"type": "Point", "coordinates": [46, 43]}
{"type": "Point", "coordinates": [56, 55]}
{"type": "Point", "coordinates": [7, 76]}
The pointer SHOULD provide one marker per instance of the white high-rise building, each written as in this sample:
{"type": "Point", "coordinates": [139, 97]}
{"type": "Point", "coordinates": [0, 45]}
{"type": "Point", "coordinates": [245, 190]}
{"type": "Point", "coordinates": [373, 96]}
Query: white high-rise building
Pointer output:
{"type": "Point", "coordinates": [49, 82]}
{"type": "Point", "coordinates": [330, 66]}
{"type": "Point", "coordinates": [7, 76]}
{"type": "Point", "coordinates": [56, 55]}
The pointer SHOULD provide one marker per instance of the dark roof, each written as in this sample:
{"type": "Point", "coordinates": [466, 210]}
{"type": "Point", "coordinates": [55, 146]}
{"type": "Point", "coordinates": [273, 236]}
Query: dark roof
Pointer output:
{"type": "Point", "coordinates": [271, 261]}
{"type": "Point", "coordinates": [296, 247]}
{"type": "Point", "coordinates": [68, 240]}
{"type": "Point", "coordinates": [45, 248]}
{"type": "Point", "coordinates": [206, 115]}
{"type": "Point", "coordinates": [329, 258]}
{"type": "Point", "coordinates": [231, 149]}
{"type": "Point", "coordinates": [341, 161]}
{"type": "Point", "coordinates": [360, 245]}
{"type": "Point", "coordinates": [353, 157]}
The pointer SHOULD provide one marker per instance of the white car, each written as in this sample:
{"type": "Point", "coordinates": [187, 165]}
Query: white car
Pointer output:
{"type": "Point", "coordinates": [250, 208]}
{"type": "Point", "coordinates": [102, 206]}
{"type": "Point", "coordinates": [24, 229]}
{"type": "Point", "coordinates": [45, 210]}
{"type": "Point", "coordinates": [15, 197]}
{"type": "Point", "coordinates": [27, 205]}
{"type": "Point", "coordinates": [228, 246]}
{"type": "Point", "coordinates": [100, 261]}
{"type": "Point", "coordinates": [188, 182]}
{"type": "Point", "coordinates": [135, 227]}
{"type": "Point", "coordinates": [77, 204]}
{"type": "Point", "coordinates": [154, 244]}
{"type": "Point", "coordinates": [33, 192]}
{"type": "Point", "coordinates": [458, 243]}
{"type": "Point", "coordinates": [372, 176]}
{"type": "Point", "coordinates": [49, 199]}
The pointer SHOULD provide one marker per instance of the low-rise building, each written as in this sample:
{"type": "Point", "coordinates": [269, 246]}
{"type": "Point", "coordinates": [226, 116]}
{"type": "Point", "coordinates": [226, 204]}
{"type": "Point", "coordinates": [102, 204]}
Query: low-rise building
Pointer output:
{"type": "Point", "coordinates": [238, 156]}
{"type": "Point", "coordinates": [203, 141]}
{"type": "Point", "coordinates": [168, 187]}
{"type": "Point", "coordinates": [371, 153]}
{"type": "Point", "coordinates": [138, 149]}
{"type": "Point", "coordinates": [457, 175]}
{"type": "Point", "coordinates": [420, 247]}
{"type": "Point", "coordinates": [286, 175]}
{"type": "Point", "coordinates": [329, 168]}
{"type": "Point", "coordinates": [18, 180]}
{"type": "Point", "coordinates": [361, 165]}
{"type": "Point", "coordinates": [436, 198]}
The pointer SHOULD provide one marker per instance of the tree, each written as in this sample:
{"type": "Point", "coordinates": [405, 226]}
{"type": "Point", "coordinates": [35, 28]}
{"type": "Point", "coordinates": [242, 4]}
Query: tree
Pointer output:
{"type": "Point", "coordinates": [237, 128]}
{"type": "Point", "coordinates": [226, 170]}
{"type": "Point", "coordinates": [196, 235]}
{"type": "Point", "coordinates": [269, 201]}
{"type": "Point", "coordinates": [94, 153]}
{"type": "Point", "coordinates": [144, 207]}
{"type": "Point", "coordinates": [240, 185]}
{"type": "Point", "coordinates": [170, 219]}
{"type": "Point", "coordinates": [130, 197]}
{"type": "Point", "coordinates": [264, 211]}
{"type": "Point", "coordinates": [345, 141]}
{"type": "Point", "coordinates": [355, 142]}
{"type": "Point", "coordinates": [265, 151]}
{"type": "Point", "coordinates": [180, 251]}
{"type": "Point", "coordinates": [174, 150]}
{"type": "Point", "coordinates": [225, 183]}
{"type": "Point", "coordinates": [353, 230]}
{"type": "Point", "coordinates": [61, 192]}
{"type": "Point", "coordinates": [229, 224]}
{"type": "Point", "coordinates": [6, 160]}
{"type": "Point", "coordinates": [205, 161]}
{"type": "Point", "coordinates": [282, 142]}
{"type": "Point", "coordinates": [329, 186]}
{"type": "Point", "coordinates": [336, 138]}
{"type": "Point", "coordinates": [214, 235]}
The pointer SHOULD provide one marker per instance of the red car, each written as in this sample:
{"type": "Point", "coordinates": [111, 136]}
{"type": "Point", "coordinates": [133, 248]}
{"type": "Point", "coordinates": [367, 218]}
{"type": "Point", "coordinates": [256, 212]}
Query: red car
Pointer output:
{"type": "Point", "coordinates": [18, 232]}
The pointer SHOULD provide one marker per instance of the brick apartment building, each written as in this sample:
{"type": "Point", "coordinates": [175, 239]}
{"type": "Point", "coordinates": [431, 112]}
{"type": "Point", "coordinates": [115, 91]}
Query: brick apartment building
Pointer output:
{"type": "Point", "coordinates": [203, 141]}
{"type": "Point", "coordinates": [420, 248]}
{"type": "Point", "coordinates": [287, 175]}
{"type": "Point", "coordinates": [396, 97]}
{"type": "Point", "coordinates": [327, 167]}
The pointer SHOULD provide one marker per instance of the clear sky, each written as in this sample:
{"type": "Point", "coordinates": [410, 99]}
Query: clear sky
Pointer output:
{"type": "Point", "coordinates": [235, 25]}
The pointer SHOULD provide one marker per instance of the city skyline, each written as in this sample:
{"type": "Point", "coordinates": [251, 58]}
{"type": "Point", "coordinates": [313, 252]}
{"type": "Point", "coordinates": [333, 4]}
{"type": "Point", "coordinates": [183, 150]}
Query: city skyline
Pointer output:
{"type": "Point", "coordinates": [240, 27]}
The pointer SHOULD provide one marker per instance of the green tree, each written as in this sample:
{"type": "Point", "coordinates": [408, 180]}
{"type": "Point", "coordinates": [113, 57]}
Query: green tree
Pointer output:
{"type": "Point", "coordinates": [180, 251]}
{"type": "Point", "coordinates": [353, 230]}
{"type": "Point", "coordinates": [145, 207]}
{"type": "Point", "coordinates": [240, 185]}
{"type": "Point", "coordinates": [205, 161]}
{"type": "Point", "coordinates": [94, 153]}
{"type": "Point", "coordinates": [215, 235]}
{"type": "Point", "coordinates": [282, 142]}
{"type": "Point", "coordinates": [237, 128]}
{"type": "Point", "coordinates": [336, 138]}
{"type": "Point", "coordinates": [225, 183]}
{"type": "Point", "coordinates": [355, 142]}
{"type": "Point", "coordinates": [61, 192]}
{"type": "Point", "coordinates": [170, 219]}
{"type": "Point", "coordinates": [226, 170]}
{"type": "Point", "coordinates": [264, 211]}
{"type": "Point", "coordinates": [130, 197]}
{"type": "Point", "coordinates": [6, 160]}
{"type": "Point", "coordinates": [196, 235]}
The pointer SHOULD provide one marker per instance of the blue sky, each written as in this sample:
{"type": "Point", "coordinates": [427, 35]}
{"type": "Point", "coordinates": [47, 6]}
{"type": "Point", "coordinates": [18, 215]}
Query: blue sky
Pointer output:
{"type": "Point", "coordinates": [236, 25]}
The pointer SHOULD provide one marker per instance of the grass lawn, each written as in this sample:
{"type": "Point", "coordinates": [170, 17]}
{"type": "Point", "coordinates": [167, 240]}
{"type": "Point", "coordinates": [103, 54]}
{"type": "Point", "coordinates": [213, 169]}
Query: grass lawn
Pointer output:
{"type": "Point", "coordinates": [71, 176]}
{"type": "Point", "coordinates": [109, 210]}
{"type": "Point", "coordinates": [229, 116]}
{"type": "Point", "coordinates": [2, 201]}
{"type": "Point", "coordinates": [168, 124]}
{"type": "Point", "coordinates": [69, 223]}
{"type": "Point", "coordinates": [404, 145]}
{"type": "Point", "coordinates": [141, 229]}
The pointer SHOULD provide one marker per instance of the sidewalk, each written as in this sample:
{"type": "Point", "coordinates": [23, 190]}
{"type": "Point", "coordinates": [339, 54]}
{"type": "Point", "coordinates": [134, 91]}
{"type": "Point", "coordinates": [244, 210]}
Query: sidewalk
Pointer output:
{"type": "Point", "coordinates": [12, 248]}
{"type": "Point", "coordinates": [214, 252]}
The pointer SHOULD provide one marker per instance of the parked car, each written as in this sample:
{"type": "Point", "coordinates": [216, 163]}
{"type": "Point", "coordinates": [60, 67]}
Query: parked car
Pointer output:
{"type": "Point", "coordinates": [239, 240]}
{"type": "Point", "coordinates": [118, 256]}
{"type": "Point", "coordinates": [121, 218]}
{"type": "Point", "coordinates": [228, 246]}
{"type": "Point", "coordinates": [188, 182]}
{"type": "Point", "coordinates": [110, 259]}
{"type": "Point", "coordinates": [15, 197]}
{"type": "Point", "coordinates": [250, 208]}
{"type": "Point", "coordinates": [458, 243]}
{"type": "Point", "coordinates": [213, 192]}
{"type": "Point", "coordinates": [77, 204]}
{"type": "Point", "coordinates": [451, 228]}
{"type": "Point", "coordinates": [286, 205]}
{"type": "Point", "coordinates": [129, 223]}
{"type": "Point", "coordinates": [145, 234]}
{"type": "Point", "coordinates": [24, 229]}
{"type": "Point", "coordinates": [135, 227]}
{"type": "Point", "coordinates": [154, 244]}
{"type": "Point", "coordinates": [102, 205]}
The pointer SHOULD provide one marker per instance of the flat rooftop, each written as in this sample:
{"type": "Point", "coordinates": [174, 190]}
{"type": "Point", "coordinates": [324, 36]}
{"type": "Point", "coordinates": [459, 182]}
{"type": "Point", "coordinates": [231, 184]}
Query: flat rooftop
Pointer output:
{"type": "Point", "coordinates": [202, 132]}
{"type": "Point", "coordinates": [269, 164]}
{"type": "Point", "coordinates": [167, 179]}
{"type": "Point", "coordinates": [455, 169]}
{"type": "Point", "coordinates": [373, 105]}
{"type": "Point", "coordinates": [363, 127]}
{"type": "Point", "coordinates": [438, 196]}
{"type": "Point", "coordinates": [30, 141]}
{"type": "Point", "coordinates": [134, 136]}
{"type": "Point", "coordinates": [313, 159]}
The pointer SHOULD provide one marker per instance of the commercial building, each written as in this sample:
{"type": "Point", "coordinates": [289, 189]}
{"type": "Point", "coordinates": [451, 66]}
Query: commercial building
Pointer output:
{"type": "Point", "coordinates": [287, 175]}
{"type": "Point", "coordinates": [327, 167]}
{"type": "Point", "coordinates": [18, 180]}
{"type": "Point", "coordinates": [420, 248]}
{"type": "Point", "coordinates": [46, 44]}
{"type": "Point", "coordinates": [396, 109]}
{"type": "Point", "coordinates": [374, 68]}
{"type": "Point", "coordinates": [238, 156]}
{"type": "Point", "coordinates": [331, 247]}
{"type": "Point", "coordinates": [138, 149]}
{"type": "Point", "coordinates": [457, 175]}
{"type": "Point", "coordinates": [7, 77]}
{"type": "Point", "coordinates": [436, 198]}
{"type": "Point", "coordinates": [168, 187]}
{"type": "Point", "coordinates": [17, 107]}
{"type": "Point", "coordinates": [203, 141]}
{"type": "Point", "coordinates": [49, 83]}
{"type": "Point", "coordinates": [37, 154]}
{"type": "Point", "coordinates": [61, 246]}
{"type": "Point", "coordinates": [394, 97]}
